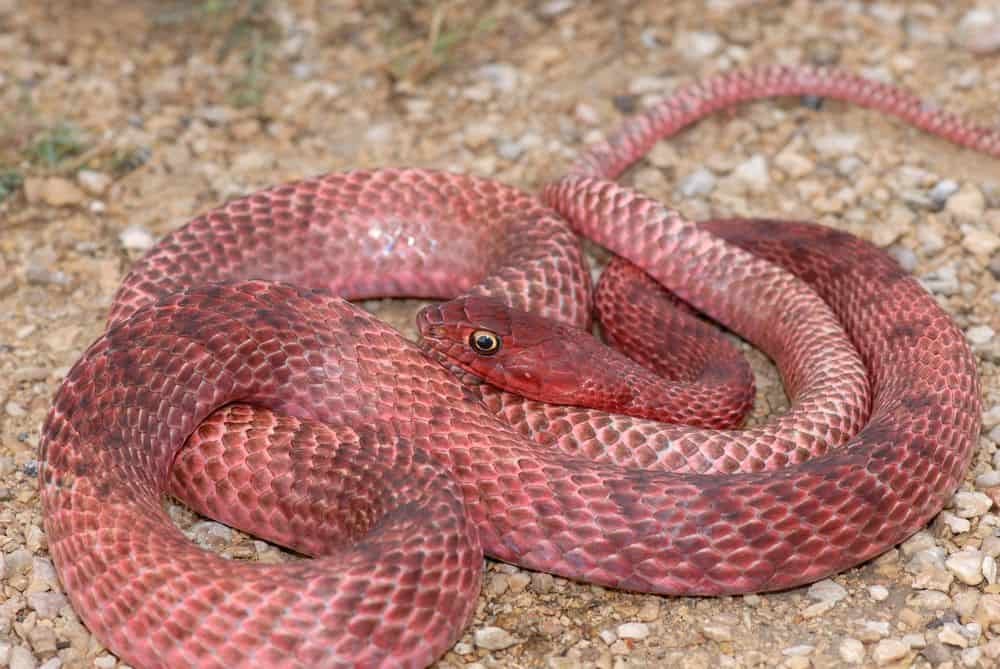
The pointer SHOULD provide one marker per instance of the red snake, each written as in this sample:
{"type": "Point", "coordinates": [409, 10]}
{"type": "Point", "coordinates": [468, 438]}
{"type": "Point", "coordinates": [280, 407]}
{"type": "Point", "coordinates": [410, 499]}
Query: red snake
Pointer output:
{"type": "Point", "coordinates": [602, 498]}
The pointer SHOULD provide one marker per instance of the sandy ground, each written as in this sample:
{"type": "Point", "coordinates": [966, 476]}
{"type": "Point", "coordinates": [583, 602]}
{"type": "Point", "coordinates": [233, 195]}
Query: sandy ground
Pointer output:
{"type": "Point", "coordinates": [122, 120]}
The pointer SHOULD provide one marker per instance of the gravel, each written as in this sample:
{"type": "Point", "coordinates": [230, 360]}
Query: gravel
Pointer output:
{"type": "Point", "coordinates": [166, 140]}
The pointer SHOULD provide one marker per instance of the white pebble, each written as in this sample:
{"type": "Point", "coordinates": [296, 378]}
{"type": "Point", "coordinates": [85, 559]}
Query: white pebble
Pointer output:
{"type": "Point", "coordinates": [827, 591]}
{"type": "Point", "coordinates": [979, 30]}
{"type": "Point", "coordinates": [955, 524]}
{"type": "Point", "coordinates": [971, 504]}
{"type": "Point", "coordinates": [889, 650]}
{"type": "Point", "coordinates": [493, 638]}
{"type": "Point", "coordinates": [698, 183]}
{"type": "Point", "coordinates": [878, 592]}
{"type": "Point", "coordinates": [990, 569]}
{"type": "Point", "coordinates": [943, 190]}
{"type": "Point", "coordinates": [501, 76]}
{"type": "Point", "coordinates": [633, 631]}
{"type": "Point", "coordinates": [136, 238]}
{"type": "Point", "coordinates": [697, 45]}
{"type": "Point", "coordinates": [852, 651]}
{"type": "Point", "coordinates": [837, 144]}
{"type": "Point", "coordinates": [990, 478]}
{"type": "Point", "coordinates": [22, 658]}
{"type": "Point", "coordinates": [967, 565]}
{"type": "Point", "coordinates": [753, 173]}
{"type": "Point", "coordinates": [967, 204]}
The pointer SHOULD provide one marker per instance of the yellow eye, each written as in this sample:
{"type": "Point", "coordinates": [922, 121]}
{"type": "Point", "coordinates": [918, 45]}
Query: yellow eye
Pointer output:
{"type": "Point", "coordinates": [484, 342]}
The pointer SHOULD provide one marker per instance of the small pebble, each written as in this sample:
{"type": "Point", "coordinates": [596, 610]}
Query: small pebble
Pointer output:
{"type": "Point", "coordinates": [943, 190]}
{"type": "Point", "coordinates": [826, 590]}
{"type": "Point", "coordinates": [699, 183]}
{"type": "Point", "coordinates": [978, 30]}
{"type": "Point", "coordinates": [951, 636]}
{"type": "Point", "coordinates": [633, 631]}
{"type": "Point", "coordinates": [879, 593]}
{"type": "Point", "coordinates": [968, 204]}
{"type": "Point", "coordinates": [697, 45]}
{"type": "Point", "coordinates": [851, 651]}
{"type": "Point", "coordinates": [991, 478]}
{"type": "Point", "coordinates": [835, 145]}
{"type": "Point", "coordinates": [753, 173]}
{"type": "Point", "coordinates": [929, 600]}
{"type": "Point", "coordinates": [493, 638]}
{"type": "Point", "coordinates": [974, 504]}
{"type": "Point", "coordinates": [889, 650]}
{"type": "Point", "coordinates": [95, 183]}
{"type": "Point", "coordinates": [136, 238]}
{"type": "Point", "coordinates": [967, 565]}
{"type": "Point", "coordinates": [53, 191]}
{"type": "Point", "coordinates": [22, 658]}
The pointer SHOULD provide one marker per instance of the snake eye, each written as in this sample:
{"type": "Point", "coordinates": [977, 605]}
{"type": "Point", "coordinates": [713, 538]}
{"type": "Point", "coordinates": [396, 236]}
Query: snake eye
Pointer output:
{"type": "Point", "coordinates": [484, 342]}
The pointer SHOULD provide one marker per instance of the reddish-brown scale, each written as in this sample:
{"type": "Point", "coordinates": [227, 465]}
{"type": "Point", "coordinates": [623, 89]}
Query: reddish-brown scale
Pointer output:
{"type": "Point", "coordinates": [617, 502]}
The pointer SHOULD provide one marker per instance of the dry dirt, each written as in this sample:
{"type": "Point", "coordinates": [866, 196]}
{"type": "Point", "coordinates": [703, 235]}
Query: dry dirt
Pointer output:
{"type": "Point", "coordinates": [123, 120]}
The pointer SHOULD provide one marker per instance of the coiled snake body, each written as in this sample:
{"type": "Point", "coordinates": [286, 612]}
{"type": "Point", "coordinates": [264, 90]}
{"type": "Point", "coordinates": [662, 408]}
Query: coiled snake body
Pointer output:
{"type": "Point", "coordinates": [608, 499]}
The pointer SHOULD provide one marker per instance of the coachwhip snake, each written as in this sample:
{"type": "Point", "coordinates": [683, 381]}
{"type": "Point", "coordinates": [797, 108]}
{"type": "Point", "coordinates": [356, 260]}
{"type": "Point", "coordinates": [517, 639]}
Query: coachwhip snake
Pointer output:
{"type": "Point", "coordinates": [200, 324]}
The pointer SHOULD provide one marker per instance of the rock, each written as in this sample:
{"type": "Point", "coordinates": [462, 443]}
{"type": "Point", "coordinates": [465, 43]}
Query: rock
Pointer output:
{"type": "Point", "coordinates": [873, 630]}
{"type": "Point", "coordinates": [970, 657]}
{"type": "Point", "coordinates": [978, 30]}
{"type": "Point", "coordinates": [968, 204]}
{"type": "Point", "coordinates": [717, 631]}
{"type": "Point", "coordinates": [988, 610]}
{"type": "Point", "coordinates": [951, 636]}
{"type": "Point", "coordinates": [826, 590]}
{"type": "Point", "coordinates": [954, 523]}
{"type": "Point", "coordinates": [973, 504]}
{"type": "Point", "coordinates": [632, 631]}
{"type": "Point", "coordinates": [851, 651]}
{"type": "Point", "coordinates": [941, 191]}
{"type": "Point", "coordinates": [879, 593]}
{"type": "Point", "coordinates": [697, 184]}
{"type": "Point", "coordinates": [493, 638]}
{"type": "Point", "coordinates": [53, 191]}
{"type": "Point", "coordinates": [936, 653]}
{"type": "Point", "coordinates": [930, 600]}
{"type": "Point", "coordinates": [894, 225]}
{"type": "Point", "coordinates": [965, 603]}
{"type": "Point", "coordinates": [501, 76]}
{"type": "Point", "coordinates": [136, 238]}
{"type": "Point", "coordinates": [889, 650]}
{"type": "Point", "coordinates": [518, 582]}
{"type": "Point", "coordinates": [95, 183]}
{"type": "Point", "coordinates": [753, 173]}
{"type": "Point", "coordinates": [42, 639]}
{"type": "Point", "coordinates": [919, 542]}
{"type": "Point", "coordinates": [47, 604]}
{"type": "Point", "coordinates": [990, 478]}
{"type": "Point", "coordinates": [697, 45]}
{"type": "Point", "coordinates": [835, 145]}
{"type": "Point", "coordinates": [794, 164]}
{"type": "Point", "coordinates": [650, 611]}
{"type": "Point", "coordinates": [22, 658]}
{"type": "Point", "coordinates": [979, 241]}
{"type": "Point", "coordinates": [542, 583]}
{"type": "Point", "coordinates": [967, 565]}
{"type": "Point", "coordinates": [942, 281]}
{"type": "Point", "coordinates": [43, 576]}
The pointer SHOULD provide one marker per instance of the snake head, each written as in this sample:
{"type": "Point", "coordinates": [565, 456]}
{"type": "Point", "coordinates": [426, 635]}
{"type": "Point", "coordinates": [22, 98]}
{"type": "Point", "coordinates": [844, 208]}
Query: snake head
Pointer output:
{"type": "Point", "coordinates": [509, 348]}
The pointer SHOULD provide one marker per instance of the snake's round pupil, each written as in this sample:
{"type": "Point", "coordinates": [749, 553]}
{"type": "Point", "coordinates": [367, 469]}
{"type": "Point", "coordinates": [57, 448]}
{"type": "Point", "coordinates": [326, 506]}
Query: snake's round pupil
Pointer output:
{"type": "Point", "coordinates": [485, 342]}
